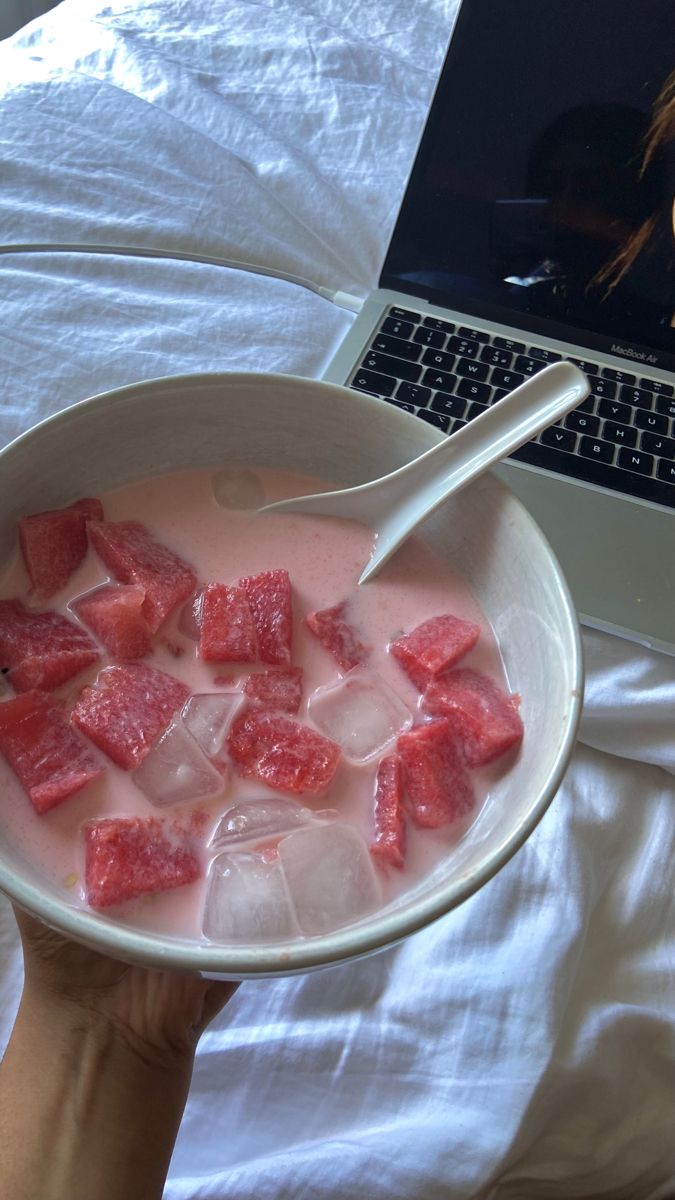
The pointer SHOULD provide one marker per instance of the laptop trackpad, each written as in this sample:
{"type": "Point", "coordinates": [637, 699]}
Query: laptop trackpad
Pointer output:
{"type": "Point", "coordinates": [618, 555]}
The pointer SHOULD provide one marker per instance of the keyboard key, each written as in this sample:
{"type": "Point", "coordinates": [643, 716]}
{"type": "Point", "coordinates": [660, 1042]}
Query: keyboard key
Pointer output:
{"type": "Point", "coordinates": [439, 379]}
{"type": "Point", "coordinates": [666, 471]}
{"type": "Point", "coordinates": [452, 406]}
{"type": "Point", "coordinates": [458, 425]}
{"type": "Point", "coordinates": [405, 314]}
{"type": "Point", "coordinates": [602, 387]}
{"type": "Point", "coordinates": [399, 404]}
{"type": "Point", "coordinates": [638, 397]}
{"type": "Point", "coordinates": [434, 418]}
{"type": "Point", "coordinates": [400, 329]}
{"type": "Point", "coordinates": [623, 435]}
{"type": "Point", "coordinates": [613, 411]}
{"type": "Point", "coordinates": [655, 385]}
{"type": "Point", "coordinates": [528, 366]}
{"type": "Point", "coordinates": [412, 393]}
{"type": "Point", "coordinates": [471, 369]}
{"type": "Point", "coordinates": [429, 337]}
{"type": "Point", "coordinates": [398, 367]}
{"type": "Point", "coordinates": [618, 376]}
{"type": "Point", "coordinates": [437, 323]}
{"type": "Point", "coordinates": [584, 365]}
{"type": "Point", "coordinates": [582, 423]}
{"type": "Point", "coordinates": [665, 406]}
{"type": "Point", "coordinates": [498, 395]}
{"type": "Point", "coordinates": [654, 422]}
{"type": "Point", "coordinates": [385, 344]}
{"type": "Point", "coordinates": [506, 379]}
{"type": "Point", "coordinates": [474, 335]}
{"type": "Point", "coordinates": [599, 450]}
{"type": "Point", "coordinates": [636, 460]}
{"type": "Point", "coordinates": [438, 358]}
{"type": "Point", "coordinates": [588, 405]}
{"type": "Point", "coordinates": [562, 439]}
{"type": "Point", "coordinates": [496, 357]}
{"type": "Point", "coordinates": [545, 356]}
{"type": "Point", "coordinates": [653, 443]}
{"type": "Point", "coordinates": [470, 390]}
{"type": "Point", "coordinates": [509, 344]}
{"type": "Point", "coordinates": [369, 381]}
{"type": "Point", "coordinates": [475, 410]}
{"type": "Point", "coordinates": [460, 345]}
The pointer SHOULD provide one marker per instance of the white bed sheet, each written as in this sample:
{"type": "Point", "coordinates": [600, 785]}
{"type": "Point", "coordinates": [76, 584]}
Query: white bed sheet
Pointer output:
{"type": "Point", "coordinates": [522, 1046]}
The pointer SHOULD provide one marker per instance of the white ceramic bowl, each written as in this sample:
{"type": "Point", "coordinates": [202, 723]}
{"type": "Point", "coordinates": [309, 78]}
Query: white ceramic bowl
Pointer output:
{"type": "Point", "coordinates": [347, 438]}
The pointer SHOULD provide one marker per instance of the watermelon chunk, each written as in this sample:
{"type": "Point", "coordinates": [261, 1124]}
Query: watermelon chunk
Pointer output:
{"type": "Point", "coordinates": [91, 507]}
{"type": "Point", "coordinates": [133, 556]}
{"type": "Point", "coordinates": [46, 755]}
{"type": "Point", "coordinates": [282, 753]}
{"type": "Point", "coordinates": [126, 709]}
{"type": "Point", "coordinates": [114, 613]}
{"type": "Point", "coordinates": [437, 788]}
{"type": "Point", "coordinates": [388, 847]}
{"type": "Point", "coordinates": [434, 646]}
{"type": "Point", "coordinates": [484, 718]}
{"type": "Point", "coordinates": [126, 857]}
{"type": "Point", "coordinates": [41, 649]}
{"type": "Point", "coordinates": [337, 636]}
{"type": "Point", "coordinates": [271, 602]}
{"type": "Point", "coordinates": [226, 628]}
{"type": "Point", "coordinates": [280, 691]}
{"type": "Point", "coordinates": [53, 545]}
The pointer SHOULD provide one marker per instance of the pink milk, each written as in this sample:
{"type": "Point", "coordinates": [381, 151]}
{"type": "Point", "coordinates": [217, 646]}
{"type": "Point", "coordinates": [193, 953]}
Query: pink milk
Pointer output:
{"type": "Point", "coordinates": [324, 557]}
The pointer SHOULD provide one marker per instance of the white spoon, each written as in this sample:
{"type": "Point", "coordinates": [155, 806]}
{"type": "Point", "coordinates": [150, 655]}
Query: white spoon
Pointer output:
{"type": "Point", "coordinates": [396, 504]}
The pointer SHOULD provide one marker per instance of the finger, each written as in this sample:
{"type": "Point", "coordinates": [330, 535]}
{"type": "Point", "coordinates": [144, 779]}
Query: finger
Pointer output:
{"type": "Point", "coordinates": [35, 935]}
{"type": "Point", "coordinates": [215, 999]}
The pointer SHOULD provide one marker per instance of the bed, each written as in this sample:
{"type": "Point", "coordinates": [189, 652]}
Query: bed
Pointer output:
{"type": "Point", "coordinates": [521, 1047]}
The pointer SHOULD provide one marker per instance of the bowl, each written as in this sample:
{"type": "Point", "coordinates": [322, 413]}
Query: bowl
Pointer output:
{"type": "Point", "coordinates": [347, 438]}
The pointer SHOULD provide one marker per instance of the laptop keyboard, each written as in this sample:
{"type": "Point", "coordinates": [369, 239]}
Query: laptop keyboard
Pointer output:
{"type": "Point", "coordinates": [622, 437]}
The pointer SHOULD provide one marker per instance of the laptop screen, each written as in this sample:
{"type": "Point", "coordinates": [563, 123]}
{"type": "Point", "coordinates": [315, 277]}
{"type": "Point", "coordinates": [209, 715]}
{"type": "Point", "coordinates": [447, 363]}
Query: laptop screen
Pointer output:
{"type": "Point", "coordinates": [542, 193]}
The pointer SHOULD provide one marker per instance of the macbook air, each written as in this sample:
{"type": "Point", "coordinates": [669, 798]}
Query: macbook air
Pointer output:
{"type": "Point", "coordinates": [537, 225]}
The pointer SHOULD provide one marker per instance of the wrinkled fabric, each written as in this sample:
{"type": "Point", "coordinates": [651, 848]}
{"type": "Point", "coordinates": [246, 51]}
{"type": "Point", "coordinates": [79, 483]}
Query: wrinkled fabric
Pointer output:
{"type": "Point", "coordinates": [522, 1046]}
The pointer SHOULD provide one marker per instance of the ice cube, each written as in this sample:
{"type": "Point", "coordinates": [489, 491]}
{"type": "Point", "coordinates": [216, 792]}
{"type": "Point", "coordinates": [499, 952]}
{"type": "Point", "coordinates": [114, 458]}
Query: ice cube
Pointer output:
{"type": "Point", "coordinates": [361, 713]}
{"type": "Point", "coordinates": [175, 771]}
{"type": "Point", "coordinates": [330, 877]}
{"type": "Point", "coordinates": [238, 487]}
{"type": "Point", "coordinates": [253, 819]}
{"type": "Point", "coordinates": [207, 717]}
{"type": "Point", "coordinates": [247, 901]}
{"type": "Point", "coordinates": [326, 814]}
{"type": "Point", "coordinates": [188, 620]}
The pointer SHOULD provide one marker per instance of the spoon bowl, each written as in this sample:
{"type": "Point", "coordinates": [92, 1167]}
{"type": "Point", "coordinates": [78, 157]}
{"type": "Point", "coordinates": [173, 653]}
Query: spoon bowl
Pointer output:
{"type": "Point", "coordinates": [394, 505]}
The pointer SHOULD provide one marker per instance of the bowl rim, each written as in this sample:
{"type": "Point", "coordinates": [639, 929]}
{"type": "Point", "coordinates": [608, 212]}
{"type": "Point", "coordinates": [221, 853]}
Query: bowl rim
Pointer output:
{"type": "Point", "coordinates": [374, 933]}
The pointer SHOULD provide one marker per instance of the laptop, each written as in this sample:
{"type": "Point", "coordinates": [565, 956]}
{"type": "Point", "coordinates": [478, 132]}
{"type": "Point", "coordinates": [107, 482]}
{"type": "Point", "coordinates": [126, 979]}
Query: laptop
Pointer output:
{"type": "Point", "coordinates": [537, 225]}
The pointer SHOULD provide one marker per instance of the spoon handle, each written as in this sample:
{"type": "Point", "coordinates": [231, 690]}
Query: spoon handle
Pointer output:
{"type": "Point", "coordinates": [395, 504]}
{"type": "Point", "coordinates": [417, 489]}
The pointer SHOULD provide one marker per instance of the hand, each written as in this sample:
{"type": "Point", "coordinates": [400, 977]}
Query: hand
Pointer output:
{"type": "Point", "coordinates": [96, 1073]}
{"type": "Point", "coordinates": [158, 1013]}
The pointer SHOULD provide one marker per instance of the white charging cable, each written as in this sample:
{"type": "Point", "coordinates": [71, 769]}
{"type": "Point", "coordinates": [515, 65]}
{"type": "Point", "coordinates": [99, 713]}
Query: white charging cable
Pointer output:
{"type": "Point", "coordinates": [341, 299]}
